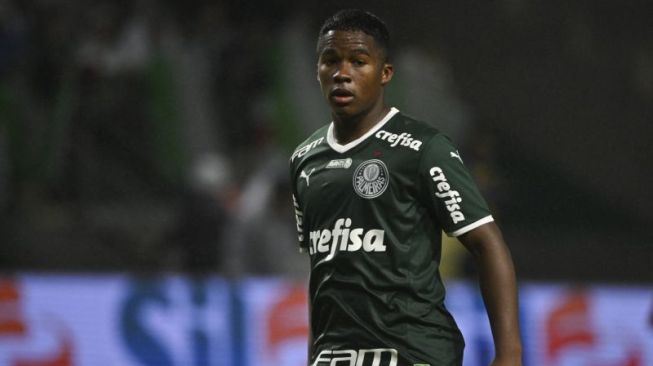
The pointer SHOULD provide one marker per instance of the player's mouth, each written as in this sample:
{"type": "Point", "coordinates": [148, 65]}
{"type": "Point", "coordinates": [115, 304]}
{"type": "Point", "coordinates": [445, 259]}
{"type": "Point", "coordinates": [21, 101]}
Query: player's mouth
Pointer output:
{"type": "Point", "coordinates": [341, 96]}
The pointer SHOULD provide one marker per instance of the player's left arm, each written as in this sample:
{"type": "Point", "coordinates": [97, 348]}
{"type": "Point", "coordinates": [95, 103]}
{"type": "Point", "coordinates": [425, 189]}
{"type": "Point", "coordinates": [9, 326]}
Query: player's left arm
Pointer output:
{"type": "Point", "coordinates": [499, 289]}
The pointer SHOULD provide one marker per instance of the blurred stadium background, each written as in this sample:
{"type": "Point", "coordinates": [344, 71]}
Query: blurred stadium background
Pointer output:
{"type": "Point", "coordinates": [145, 217]}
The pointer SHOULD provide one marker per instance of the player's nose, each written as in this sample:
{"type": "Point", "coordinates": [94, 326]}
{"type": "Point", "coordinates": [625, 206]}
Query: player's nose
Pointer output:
{"type": "Point", "coordinates": [342, 73]}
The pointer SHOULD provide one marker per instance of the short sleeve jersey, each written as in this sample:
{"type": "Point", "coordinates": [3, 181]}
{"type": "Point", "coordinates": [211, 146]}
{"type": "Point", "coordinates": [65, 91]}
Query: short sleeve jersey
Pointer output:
{"type": "Point", "coordinates": [370, 215]}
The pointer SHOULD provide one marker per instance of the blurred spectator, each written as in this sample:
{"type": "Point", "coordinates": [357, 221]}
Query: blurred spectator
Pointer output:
{"type": "Point", "coordinates": [197, 237]}
{"type": "Point", "coordinates": [425, 86]}
{"type": "Point", "coordinates": [116, 42]}
{"type": "Point", "coordinates": [263, 240]}
{"type": "Point", "coordinates": [110, 146]}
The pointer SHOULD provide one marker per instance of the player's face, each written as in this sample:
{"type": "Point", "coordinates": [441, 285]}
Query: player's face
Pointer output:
{"type": "Point", "coordinates": [352, 72]}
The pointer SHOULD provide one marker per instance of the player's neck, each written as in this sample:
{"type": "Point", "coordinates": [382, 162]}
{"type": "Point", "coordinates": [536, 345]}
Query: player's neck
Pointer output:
{"type": "Point", "coordinates": [348, 129]}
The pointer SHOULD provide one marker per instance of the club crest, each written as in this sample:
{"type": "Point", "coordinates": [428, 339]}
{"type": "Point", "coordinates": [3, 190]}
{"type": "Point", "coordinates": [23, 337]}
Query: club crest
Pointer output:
{"type": "Point", "coordinates": [371, 178]}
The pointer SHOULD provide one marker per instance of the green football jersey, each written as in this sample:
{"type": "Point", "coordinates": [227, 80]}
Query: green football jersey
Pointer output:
{"type": "Point", "coordinates": [370, 215]}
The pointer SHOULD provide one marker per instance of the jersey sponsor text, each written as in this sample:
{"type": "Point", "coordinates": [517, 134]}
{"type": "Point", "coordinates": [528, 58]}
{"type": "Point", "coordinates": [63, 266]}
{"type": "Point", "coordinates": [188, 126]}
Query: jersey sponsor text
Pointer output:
{"type": "Point", "coordinates": [353, 357]}
{"type": "Point", "coordinates": [306, 148]}
{"type": "Point", "coordinates": [403, 139]}
{"type": "Point", "coordinates": [339, 164]}
{"type": "Point", "coordinates": [451, 197]}
{"type": "Point", "coordinates": [346, 239]}
{"type": "Point", "coordinates": [298, 219]}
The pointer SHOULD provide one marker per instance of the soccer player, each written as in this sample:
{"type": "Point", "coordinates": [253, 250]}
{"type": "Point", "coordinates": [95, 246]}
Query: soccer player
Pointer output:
{"type": "Point", "coordinates": [372, 192]}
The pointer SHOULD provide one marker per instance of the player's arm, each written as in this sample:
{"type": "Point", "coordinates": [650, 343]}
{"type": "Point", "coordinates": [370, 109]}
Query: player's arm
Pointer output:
{"type": "Point", "coordinates": [499, 289]}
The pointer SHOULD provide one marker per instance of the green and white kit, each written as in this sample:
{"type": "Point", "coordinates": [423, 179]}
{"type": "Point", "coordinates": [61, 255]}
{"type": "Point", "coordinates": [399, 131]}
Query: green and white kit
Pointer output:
{"type": "Point", "coordinates": [370, 215]}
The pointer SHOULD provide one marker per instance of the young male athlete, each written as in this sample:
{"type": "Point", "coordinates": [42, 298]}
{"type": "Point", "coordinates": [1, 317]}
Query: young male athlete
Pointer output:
{"type": "Point", "coordinates": [372, 192]}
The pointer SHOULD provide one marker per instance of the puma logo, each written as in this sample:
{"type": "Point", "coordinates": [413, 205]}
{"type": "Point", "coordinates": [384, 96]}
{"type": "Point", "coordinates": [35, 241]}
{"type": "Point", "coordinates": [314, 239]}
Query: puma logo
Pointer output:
{"type": "Point", "coordinates": [456, 155]}
{"type": "Point", "coordinates": [306, 176]}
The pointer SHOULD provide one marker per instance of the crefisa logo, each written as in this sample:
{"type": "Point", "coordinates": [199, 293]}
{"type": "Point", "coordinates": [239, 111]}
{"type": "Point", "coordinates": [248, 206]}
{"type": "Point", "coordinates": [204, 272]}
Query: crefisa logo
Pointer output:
{"type": "Point", "coordinates": [371, 178]}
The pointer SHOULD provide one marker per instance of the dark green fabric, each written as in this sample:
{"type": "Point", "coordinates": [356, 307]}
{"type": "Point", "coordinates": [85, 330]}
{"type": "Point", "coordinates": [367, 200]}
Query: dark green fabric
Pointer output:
{"type": "Point", "coordinates": [375, 250]}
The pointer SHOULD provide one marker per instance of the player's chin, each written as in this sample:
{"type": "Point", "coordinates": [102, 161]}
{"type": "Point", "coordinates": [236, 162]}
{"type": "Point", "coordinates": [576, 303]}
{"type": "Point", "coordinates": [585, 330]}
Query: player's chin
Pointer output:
{"type": "Point", "coordinates": [344, 110]}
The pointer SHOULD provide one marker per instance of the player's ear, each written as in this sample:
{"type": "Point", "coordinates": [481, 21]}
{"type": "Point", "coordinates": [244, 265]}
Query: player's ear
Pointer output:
{"type": "Point", "coordinates": [386, 73]}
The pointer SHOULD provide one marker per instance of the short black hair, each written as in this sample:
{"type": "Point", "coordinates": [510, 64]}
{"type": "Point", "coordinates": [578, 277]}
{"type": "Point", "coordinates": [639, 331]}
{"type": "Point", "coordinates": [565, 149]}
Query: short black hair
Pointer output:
{"type": "Point", "coordinates": [359, 20]}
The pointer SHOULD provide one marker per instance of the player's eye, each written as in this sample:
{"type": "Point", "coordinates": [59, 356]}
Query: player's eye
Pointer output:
{"type": "Point", "coordinates": [359, 62]}
{"type": "Point", "coordinates": [328, 61]}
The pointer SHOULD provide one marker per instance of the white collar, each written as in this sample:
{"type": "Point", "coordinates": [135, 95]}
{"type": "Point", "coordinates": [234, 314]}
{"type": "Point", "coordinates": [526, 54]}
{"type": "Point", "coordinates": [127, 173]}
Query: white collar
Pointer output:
{"type": "Point", "coordinates": [331, 139]}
